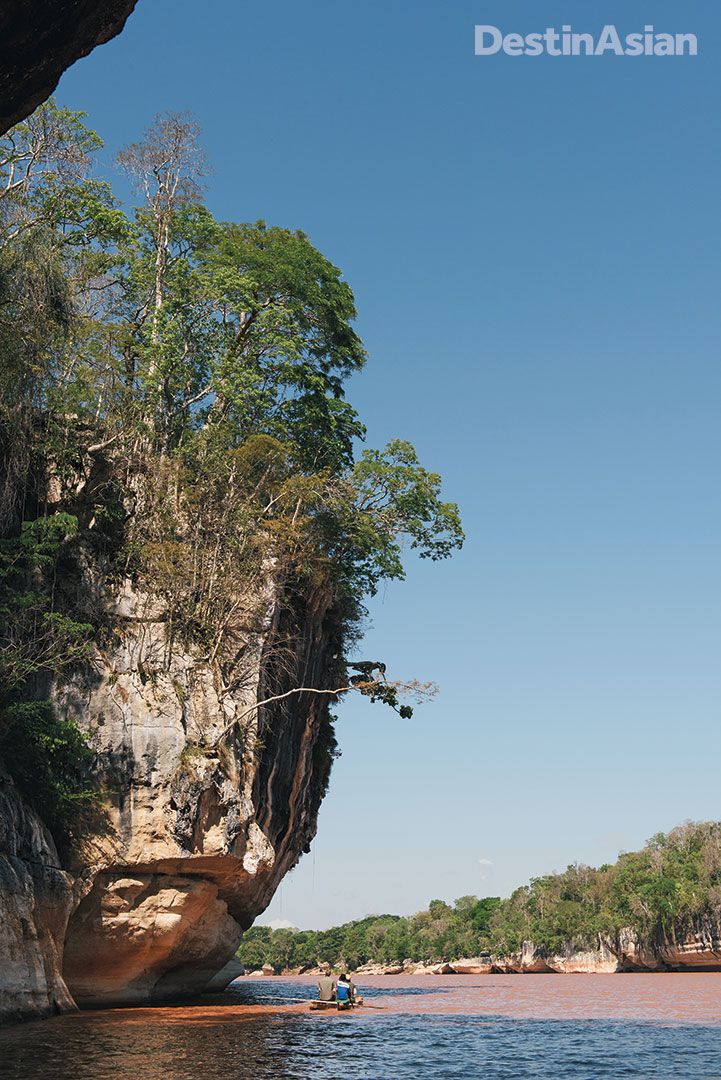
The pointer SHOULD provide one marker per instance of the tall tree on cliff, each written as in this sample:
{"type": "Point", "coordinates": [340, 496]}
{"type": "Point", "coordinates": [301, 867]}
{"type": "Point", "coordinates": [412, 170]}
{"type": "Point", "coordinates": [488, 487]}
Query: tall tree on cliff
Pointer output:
{"type": "Point", "coordinates": [186, 387]}
{"type": "Point", "coordinates": [54, 215]}
{"type": "Point", "coordinates": [167, 167]}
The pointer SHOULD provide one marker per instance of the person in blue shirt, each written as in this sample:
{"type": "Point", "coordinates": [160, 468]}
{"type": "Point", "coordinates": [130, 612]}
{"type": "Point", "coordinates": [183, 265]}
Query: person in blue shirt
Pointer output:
{"type": "Point", "coordinates": [343, 990]}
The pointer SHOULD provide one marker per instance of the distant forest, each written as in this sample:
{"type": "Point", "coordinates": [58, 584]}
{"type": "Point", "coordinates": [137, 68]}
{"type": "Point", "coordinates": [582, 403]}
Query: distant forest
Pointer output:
{"type": "Point", "coordinates": [660, 892]}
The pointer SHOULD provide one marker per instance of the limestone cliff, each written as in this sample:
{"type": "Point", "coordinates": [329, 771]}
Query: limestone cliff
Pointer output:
{"type": "Point", "coordinates": [210, 801]}
{"type": "Point", "coordinates": [698, 950]}
{"type": "Point", "coordinates": [36, 898]}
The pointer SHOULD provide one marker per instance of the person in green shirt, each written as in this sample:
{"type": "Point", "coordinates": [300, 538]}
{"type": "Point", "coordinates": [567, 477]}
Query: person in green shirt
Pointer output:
{"type": "Point", "coordinates": [326, 988]}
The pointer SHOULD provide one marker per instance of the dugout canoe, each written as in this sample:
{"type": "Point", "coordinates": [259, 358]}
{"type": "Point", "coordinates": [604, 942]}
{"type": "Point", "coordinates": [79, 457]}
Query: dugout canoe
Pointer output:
{"type": "Point", "coordinates": [338, 1006]}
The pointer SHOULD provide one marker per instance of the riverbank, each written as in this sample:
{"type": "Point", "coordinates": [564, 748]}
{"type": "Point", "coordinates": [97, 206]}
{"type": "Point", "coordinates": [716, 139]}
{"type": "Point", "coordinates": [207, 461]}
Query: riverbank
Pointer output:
{"type": "Point", "coordinates": [626, 956]}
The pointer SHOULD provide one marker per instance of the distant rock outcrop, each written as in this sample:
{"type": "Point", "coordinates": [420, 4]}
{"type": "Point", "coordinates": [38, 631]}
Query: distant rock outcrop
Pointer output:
{"type": "Point", "coordinates": [39, 39]}
{"type": "Point", "coordinates": [476, 965]}
{"type": "Point", "coordinates": [699, 950]}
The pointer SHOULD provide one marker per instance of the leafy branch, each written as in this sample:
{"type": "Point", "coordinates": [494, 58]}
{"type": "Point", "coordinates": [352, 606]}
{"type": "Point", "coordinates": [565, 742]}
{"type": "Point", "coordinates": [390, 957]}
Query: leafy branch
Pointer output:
{"type": "Point", "coordinates": [377, 689]}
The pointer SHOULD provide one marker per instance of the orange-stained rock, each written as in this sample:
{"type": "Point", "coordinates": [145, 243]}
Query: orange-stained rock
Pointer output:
{"type": "Point", "coordinates": [146, 937]}
{"type": "Point", "coordinates": [477, 965]}
{"type": "Point", "coordinates": [701, 954]}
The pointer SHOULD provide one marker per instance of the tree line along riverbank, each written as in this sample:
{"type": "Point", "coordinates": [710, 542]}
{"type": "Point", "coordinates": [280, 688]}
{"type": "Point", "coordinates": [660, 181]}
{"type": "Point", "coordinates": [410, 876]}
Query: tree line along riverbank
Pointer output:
{"type": "Point", "coordinates": [656, 908]}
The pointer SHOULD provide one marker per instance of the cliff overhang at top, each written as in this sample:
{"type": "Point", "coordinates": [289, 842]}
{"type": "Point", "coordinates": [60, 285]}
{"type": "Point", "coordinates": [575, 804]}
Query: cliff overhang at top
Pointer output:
{"type": "Point", "coordinates": [40, 39]}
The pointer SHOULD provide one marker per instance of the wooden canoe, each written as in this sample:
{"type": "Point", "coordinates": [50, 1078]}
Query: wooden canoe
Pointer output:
{"type": "Point", "coordinates": [339, 1006]}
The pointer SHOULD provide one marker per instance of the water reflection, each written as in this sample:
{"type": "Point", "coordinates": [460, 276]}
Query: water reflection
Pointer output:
{"type": "Point", "coordinates": [296, 1048]}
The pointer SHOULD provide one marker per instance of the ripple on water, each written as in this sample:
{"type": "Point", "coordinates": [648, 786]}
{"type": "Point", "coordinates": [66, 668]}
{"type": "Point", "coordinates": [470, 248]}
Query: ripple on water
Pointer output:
{"type": "Point", "coordinates": [493, 1029]}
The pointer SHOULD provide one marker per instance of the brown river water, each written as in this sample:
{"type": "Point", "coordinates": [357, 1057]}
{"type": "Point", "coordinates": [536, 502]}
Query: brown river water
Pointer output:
{"type": "Point", "coordinates": [493, 1027]}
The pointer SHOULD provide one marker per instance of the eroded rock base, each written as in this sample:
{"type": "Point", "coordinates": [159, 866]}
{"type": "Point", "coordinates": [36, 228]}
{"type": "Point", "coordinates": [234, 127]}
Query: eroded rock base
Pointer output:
{"type": "Point", "coordinates": [147, 937]}
{"type": "Point", "coordinates": [36, 898]}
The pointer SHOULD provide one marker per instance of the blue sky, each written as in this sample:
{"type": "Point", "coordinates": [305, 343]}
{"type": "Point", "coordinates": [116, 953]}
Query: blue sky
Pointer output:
{"type": "Point", "coordinates": [533, 246]}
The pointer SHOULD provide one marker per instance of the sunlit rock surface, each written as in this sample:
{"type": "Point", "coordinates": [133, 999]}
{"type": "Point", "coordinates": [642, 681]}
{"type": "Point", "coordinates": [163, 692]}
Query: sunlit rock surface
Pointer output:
{"type": "Point", "coordinates": [36, 898]}
{"type": "Point", "coordinates": [475, 965]}
{"type": "Point", "coordinates": [599, 961]}
{"type": "Point", "coordinates": [141, 938]}
{"type": "Point", "coordinates": [210, 800]}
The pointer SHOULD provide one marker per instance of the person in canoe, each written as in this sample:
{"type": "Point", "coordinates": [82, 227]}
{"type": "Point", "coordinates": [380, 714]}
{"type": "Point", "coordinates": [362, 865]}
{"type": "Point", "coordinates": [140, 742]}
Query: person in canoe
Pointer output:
{"type": "Point", "coordinates": [344, 990]}
{"type": "Point", "coordinates": [326, 988]}
{"type": "Point", "coordinates": [353, 994]}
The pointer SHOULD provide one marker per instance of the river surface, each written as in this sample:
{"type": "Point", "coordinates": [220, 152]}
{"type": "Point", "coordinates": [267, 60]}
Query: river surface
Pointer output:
{"type": "Point", "coordinates": [493, 1027]}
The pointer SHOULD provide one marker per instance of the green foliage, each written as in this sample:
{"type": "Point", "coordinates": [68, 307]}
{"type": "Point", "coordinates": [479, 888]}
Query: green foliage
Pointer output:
{"type": "Point", "coordinates": [441, 933]}
{"type": "Point", "coordinates": [365, 515]}
{"type": "Point", "coordinates": [55, 220]}
{"type": "Point", "coordinates": [370, 682]}
{"type": "Point", "coordinates": [50, 761]}
{"type": "Point", "coordinates": [172, 405]}
{"type": "Point", "coordinates": [661, 892]}
{"type": "Point", "coordinates": [48, 757]}
{"type": "Point", "coordinates": [37, 637]}
{"type": "Point", "coordinates": [288, 344]}
{"type": "Point", "coordinates": [213, 358]}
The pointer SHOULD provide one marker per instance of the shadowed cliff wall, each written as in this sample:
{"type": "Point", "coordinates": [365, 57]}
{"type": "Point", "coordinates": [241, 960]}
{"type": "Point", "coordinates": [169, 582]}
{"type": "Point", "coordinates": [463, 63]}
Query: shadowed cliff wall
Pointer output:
{"type": "Point", "coordinates": [39, 39]}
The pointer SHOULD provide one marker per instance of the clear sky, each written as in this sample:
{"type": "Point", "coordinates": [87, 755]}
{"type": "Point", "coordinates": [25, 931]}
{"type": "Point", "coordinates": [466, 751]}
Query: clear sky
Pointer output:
{"type": "Point", "coordinates": [533, 243]}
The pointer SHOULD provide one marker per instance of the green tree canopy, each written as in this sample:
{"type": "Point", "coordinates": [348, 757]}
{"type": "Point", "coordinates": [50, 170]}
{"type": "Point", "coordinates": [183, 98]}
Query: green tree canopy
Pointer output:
{"type": "Point", "coordinates": [173, 402]}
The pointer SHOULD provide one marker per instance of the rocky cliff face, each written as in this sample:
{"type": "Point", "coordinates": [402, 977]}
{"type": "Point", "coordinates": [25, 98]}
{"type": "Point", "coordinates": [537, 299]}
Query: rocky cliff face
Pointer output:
{"type": "Point", "coordinates": [210, 801]}
{"type": "Point", "coordinates": [601, 960]}
{"type": "Point", "coordinates": [36, 898]}
{"type": "Point", "coordinates": [39, 39]}
{"type": "Point", "coordinates": [699, 950]}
